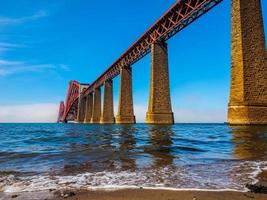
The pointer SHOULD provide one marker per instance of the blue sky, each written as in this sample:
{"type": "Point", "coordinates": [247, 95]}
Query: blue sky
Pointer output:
{"type": "Point", "coordinates": [46, 43]}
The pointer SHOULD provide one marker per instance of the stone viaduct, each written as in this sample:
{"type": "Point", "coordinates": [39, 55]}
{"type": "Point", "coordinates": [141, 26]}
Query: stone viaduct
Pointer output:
{"type": "Point", "coordinates": [248, 96]}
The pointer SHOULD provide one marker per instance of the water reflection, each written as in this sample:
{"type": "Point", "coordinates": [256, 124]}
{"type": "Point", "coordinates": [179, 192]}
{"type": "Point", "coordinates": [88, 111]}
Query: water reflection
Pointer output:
{"type": "Point", "coordinates": [250, 142]}
{"type": "Point", "coordinates": [108, 152]}
{"type": "Point", "coordinates": [126, 147]}
{"type": "Point", "coordinates": [160, 142]}
{"type": "Point", "coordinates": [84, 150]}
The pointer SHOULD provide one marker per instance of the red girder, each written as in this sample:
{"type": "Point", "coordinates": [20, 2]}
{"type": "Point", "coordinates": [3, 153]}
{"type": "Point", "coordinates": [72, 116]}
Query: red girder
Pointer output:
{"type": "Point", "coordinates": [61, 111]}
{"type": "Point", "coordinates": [71, 99]}
{"type": "Point", "coordinates": [179, 16]}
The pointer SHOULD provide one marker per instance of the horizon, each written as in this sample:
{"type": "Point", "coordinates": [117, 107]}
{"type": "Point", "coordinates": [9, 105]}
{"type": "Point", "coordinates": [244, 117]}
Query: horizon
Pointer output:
{"type": "Point", "coordinates": [45, 46]}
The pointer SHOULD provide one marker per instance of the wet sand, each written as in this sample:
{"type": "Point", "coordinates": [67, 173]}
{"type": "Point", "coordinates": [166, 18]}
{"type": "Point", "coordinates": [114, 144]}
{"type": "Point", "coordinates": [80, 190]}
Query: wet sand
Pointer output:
{"type": "Point", "coordinates": [164, 195]}
{"type": "Point", "coordinates": [140, 194]}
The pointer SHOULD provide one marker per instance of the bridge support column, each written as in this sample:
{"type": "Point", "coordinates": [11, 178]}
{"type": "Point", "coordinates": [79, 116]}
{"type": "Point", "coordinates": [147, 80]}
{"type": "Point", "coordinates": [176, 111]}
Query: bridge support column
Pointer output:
{"type": "Point", "coordinates": [159, 109]}
{"type": "Point", "coordinates": [248, 97]}
{"type": "Point", "coordinates": [108, 111]}
{"type": "Point", "coordinates": [88, 109]}
{"type": "Point", "coordinates": [96, 113]}
{"type": "Point", "coordinates": [81, 109]}
{"type": "Point", "coordinates": [125, 107]}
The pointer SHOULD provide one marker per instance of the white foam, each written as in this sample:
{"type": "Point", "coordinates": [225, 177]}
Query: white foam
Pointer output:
{"type": "Point", "coordinates": [114, 188]}
{"type": "Point", "coordinates": [223, 177]}
{"type": "Point", "coordinates": [259, 167]}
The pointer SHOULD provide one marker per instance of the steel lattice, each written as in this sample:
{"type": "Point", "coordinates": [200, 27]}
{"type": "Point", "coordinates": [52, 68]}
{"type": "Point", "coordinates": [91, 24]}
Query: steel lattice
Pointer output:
{"type": "Point", "coordinates": [179, 16]}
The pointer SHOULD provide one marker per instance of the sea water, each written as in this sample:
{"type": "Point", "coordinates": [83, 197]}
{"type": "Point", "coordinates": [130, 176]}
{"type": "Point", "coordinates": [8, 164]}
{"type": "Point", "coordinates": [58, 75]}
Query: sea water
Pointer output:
{"type": "Point", "coordinates": [36, 157]}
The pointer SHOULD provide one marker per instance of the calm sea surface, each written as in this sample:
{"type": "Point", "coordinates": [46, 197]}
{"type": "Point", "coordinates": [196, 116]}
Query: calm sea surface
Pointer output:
{"type": "Point", "coordinates": [204, 156]}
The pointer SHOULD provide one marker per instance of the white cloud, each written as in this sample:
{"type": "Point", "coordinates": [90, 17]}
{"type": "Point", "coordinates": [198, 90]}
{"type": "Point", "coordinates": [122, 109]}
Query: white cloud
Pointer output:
{"type": "Point", "coordinates": [4, 21]}
{"type": "Point", "coordinates": [29, 113]}
{"type": "Point", "coordinates": [13, 67]}
{"type": "Point", "coordinates": [10, 63]}
{"type": "Point", "coordinates": [140, 113]}
{"type": "Point", "coordinates": [4, 47]}
{"type": "Point", "coordinates": [10, 45]}
{"type": "Point", "coordinates": [65, 67]}
{"type": "Point", "coordinates": [187, 115]}
{"type": "Point", "coordinates": [48, 113]}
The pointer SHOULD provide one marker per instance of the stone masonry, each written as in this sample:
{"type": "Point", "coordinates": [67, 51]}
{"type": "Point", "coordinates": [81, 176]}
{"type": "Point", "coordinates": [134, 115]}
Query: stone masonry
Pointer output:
{"type": "Point", "coordinates": [81, 104]}
{"type": "Point", "coordinates": [96, 114]}
{"type": "Point", "coordinates": [248, 97]}
{"type": "Point", "coordinates": [88, 109]}
{"type": "Point", "coordinates": [81, 109]}
{"type": "Point", "coordinates": [108, 111]}
{"type": "Point", "coordinates": [125, 107]}
{"type": "Point", "coordinates": [159, 109]}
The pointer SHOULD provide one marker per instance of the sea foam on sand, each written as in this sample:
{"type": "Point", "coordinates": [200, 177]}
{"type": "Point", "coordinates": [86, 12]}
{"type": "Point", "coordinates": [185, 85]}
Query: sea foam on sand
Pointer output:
{"type": "Point", "coordinates": [227, 176]}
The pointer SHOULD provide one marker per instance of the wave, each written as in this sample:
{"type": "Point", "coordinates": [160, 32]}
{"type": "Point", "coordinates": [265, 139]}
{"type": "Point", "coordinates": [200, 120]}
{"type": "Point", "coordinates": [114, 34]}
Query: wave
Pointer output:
{"type": "Point", "coordinates": [223, 176]}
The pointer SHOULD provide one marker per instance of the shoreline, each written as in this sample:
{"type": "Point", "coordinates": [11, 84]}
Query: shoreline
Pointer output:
{"type": "Point", "coordinates": [139, 193]}
{"type": "Point", "coordinates": [145, 193]}
{"type": "Point", "coordinates": [142, 193]}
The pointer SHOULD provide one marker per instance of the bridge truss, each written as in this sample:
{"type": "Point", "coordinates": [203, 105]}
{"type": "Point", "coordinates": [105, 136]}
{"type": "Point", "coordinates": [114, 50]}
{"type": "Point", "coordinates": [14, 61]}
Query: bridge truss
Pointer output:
{"type": "Point", "coordinates": [178, 17]}
{"type": "Point", "coordinates": [71, 106]}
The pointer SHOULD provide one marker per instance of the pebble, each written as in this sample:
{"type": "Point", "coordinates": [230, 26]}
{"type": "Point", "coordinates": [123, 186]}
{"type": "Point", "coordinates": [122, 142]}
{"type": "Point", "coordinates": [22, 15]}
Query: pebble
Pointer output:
{"type": "Point", "coordinates": [67, 194]}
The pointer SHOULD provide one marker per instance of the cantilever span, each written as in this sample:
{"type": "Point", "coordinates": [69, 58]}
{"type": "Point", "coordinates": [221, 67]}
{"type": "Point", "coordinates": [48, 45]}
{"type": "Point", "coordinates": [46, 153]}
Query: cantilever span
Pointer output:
{"type": "Point", "coordinates": [70, 106]}
{"type": "Point", "coordinates": [69, 110]}
{"type": "Point", "coordinates": [248, 99]}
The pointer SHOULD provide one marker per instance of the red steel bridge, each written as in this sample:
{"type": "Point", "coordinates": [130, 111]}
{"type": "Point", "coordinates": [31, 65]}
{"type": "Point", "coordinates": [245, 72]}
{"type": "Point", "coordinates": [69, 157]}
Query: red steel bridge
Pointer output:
{"type": "Point", "coordinates": [248, 92]}
{"type": "Point", "coordinates": [178, 17]}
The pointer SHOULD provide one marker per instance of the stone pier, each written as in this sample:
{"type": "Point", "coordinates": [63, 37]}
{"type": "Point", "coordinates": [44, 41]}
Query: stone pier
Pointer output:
{"type": "Point", "coordinates": [159, 109]}
{"type": "Point", "coordinates": [248, 97]}
{"type": "Point", "coordinates": [81, 109]}
{"type": "Point", "coordinates": [88, 109]}
{"type": "Point", "coordinates": [108, 110]}
{"type": "Point", "coordinates": [96, 113]}
{"type": "Point", "coordinates": [125, 107]}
